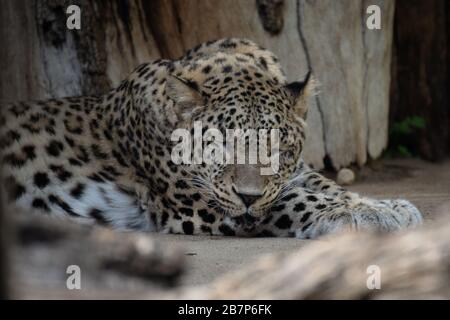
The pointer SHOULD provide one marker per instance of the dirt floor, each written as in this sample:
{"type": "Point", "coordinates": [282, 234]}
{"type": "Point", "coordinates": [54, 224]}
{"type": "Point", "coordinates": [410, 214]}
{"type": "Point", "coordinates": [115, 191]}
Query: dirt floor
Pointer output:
{"type": "Point", "coordinates": [426, 184]}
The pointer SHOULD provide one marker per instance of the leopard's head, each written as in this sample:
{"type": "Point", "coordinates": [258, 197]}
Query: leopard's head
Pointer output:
{"type": "Point", "coordinates": [244, 179]}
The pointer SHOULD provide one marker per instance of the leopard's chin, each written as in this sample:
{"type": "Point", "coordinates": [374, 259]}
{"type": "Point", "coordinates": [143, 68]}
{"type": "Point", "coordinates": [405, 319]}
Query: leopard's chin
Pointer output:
{"type": "Point", "coordinates": [243, 216]}
{"type": "Point", "coordinates": [250, 220]}
{"type": "Point", "coordinates": [246, 221]}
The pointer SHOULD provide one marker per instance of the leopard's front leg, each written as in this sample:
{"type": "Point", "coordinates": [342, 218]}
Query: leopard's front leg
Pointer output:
{"type": "Point", "coordinates": [312, 180]}
{"type": "Point", "coordinates": [308, 214]}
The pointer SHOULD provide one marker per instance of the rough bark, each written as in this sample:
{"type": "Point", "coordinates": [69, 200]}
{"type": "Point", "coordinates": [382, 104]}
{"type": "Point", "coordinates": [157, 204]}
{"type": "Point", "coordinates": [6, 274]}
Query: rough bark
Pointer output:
{"type": "Point", "coordinates": [420, 73]}
{"type": "Point", "coordinates": [347, 121]}
{"type": "Point", "coordinates": [51, 61]}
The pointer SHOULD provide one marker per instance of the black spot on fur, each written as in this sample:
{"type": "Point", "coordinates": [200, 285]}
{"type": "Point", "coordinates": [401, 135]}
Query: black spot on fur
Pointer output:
{"type": "Point", "coordinates": [95, 177]}
{"type": "Point", "coordinates": [29, 152]}
{"type": "Point", "coordinates": [226, 230]}
{"type": "Point", "coordinates": [75, 162]}
{"type": "Point", "coordinates": [180, 184]}
{"type": "Point", "coordinates": [70, 141]}
{"type": "Point", "coordinates": [62, 174]}
{"type": "Point", "coordinates": [206, 69]}
{"type": "Point", "coordinates": [111, 170]}
{"type": "Point", "coordinates": [187, 202]}
{"type": "Point", "coordinates": [311, 198]}
{"type": "Point", "coordinates": [188, 227]}
{"type": "Point", "coordinates": [284, 222]}
{"type": "Point", "coordinates": [196, 196]}
{"type": "Point", "coordinates": [278, 208]}
{"type": "Point", "coordinates": [41, 180]}
{"type": "Point", "coordinates": [187, 211]}
{"type": "Point", "coordinates": [77, 191]}
{"type": "Point", "coordinates": [164, 218]}
{"type": "Point", "coordinates": [263, 63]}
{"type": "Point", "coordinates": [54, 148]}
{"type": "Point", "coordinates": [305, 216]}
{"type": "Point", "coordinates": [206, 216]}
{"type": "Point", "coordinates": [62, 204]}
{"type": "Point", "coordinates": [161, 186]}
{"type": "Point", "coordinates": [98, 153]}
{"type": "Point", "coordinates": [193, 85]}
{"type": "Point", "coordinates": [290, 197]}
{"type": "Point", "coordinates": [321, 206]}
{"type": "Point", "coordinates": [98, 216]}
{"type": "Point", "coordinates": [306, 226]}
{"type": "Point", "coordinates": [106, 175]}
{"type": "Point", "coordinates": [39, 203]}
{"type": "Point", "coordinates": [299, 207]}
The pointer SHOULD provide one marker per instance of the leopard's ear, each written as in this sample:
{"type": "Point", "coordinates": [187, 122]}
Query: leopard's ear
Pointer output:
{"type": "Point", "coordinates": [185, 94]}
{"type": "Point", "coordinates": [299, 91]}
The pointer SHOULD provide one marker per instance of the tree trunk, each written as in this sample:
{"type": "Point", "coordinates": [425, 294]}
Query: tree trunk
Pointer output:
{"type": "Point", "coordinates": [347, 121]}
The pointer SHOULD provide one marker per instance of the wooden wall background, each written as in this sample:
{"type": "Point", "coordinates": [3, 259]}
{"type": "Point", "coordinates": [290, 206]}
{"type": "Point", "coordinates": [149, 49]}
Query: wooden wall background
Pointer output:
{"type": "Point", "coordinates": [421, 83]}
{"type": "Point", "coordinates": [348, 121]}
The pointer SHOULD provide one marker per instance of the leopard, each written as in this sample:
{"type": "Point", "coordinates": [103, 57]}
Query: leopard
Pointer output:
{"type": "Point", "coordinates": [108, 159]}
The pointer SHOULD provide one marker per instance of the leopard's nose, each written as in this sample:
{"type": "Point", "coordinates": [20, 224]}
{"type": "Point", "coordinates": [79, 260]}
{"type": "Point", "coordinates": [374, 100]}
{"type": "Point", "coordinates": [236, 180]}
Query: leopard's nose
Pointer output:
{"type": "Point", "coordinates": [247, 198]}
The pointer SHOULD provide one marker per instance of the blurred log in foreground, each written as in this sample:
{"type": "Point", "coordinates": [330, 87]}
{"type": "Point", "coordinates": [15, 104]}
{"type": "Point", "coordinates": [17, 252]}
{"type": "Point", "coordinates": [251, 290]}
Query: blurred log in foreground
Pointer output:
{"type": "Point", "coordinates": [348, 121]}
{"type": "Point", "coordinates": [413, 265]}
{"type": "Point", "coordinates": [111, 263]}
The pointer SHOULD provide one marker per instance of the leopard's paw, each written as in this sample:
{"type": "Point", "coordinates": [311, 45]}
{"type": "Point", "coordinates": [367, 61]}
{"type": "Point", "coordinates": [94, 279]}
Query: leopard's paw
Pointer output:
{"type": "Point", "coordinates": [367, 215]}
{"type": "Point", "coordinates": [408, 213]}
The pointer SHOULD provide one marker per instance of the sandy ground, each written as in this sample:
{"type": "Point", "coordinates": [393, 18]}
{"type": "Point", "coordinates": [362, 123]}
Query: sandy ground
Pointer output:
{"type": "Point", "coordinates": [427, 185]}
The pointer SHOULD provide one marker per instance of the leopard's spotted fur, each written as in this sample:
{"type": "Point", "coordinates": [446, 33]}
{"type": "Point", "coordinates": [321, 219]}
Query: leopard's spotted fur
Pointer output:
{"type": "Point", "coordinates": [107, 159]}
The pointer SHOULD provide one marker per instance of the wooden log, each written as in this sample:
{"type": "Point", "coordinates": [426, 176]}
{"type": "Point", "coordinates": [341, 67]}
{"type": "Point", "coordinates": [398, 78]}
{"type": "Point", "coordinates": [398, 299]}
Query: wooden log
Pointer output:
{"type": "Point", "coordinates": [412, 265]}
{"type": "Point", "coordinates": [43, 248]}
